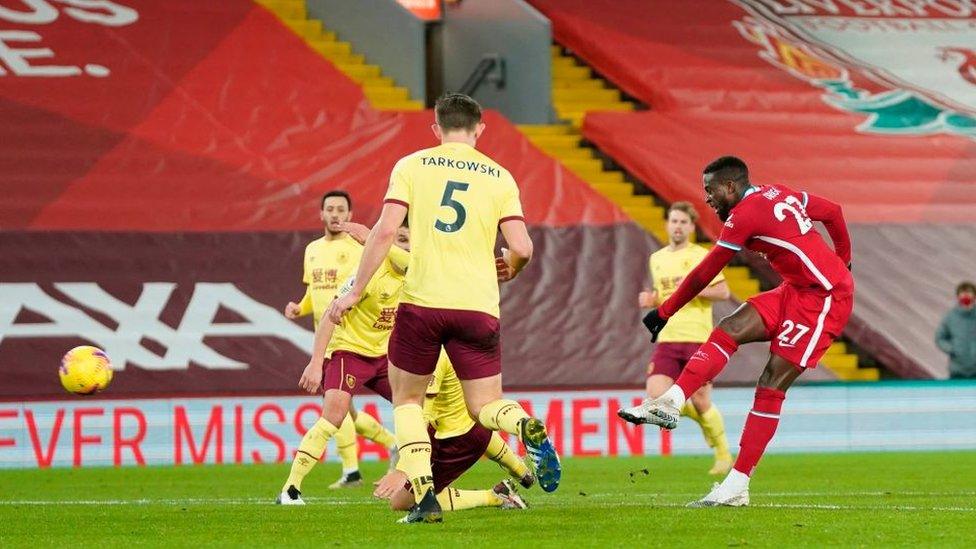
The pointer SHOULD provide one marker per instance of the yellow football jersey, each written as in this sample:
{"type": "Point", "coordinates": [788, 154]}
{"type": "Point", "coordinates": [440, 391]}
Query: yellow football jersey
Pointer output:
{"type": "Point", "coordinates": [456, 198]}
{"type": "Point", "coordinates": [328, 263]}
{"type": "Point", "coordinates": [693, 323]}
{"type": "Point", "coordinates": [365, 330]}
{"type": "Point", "coordinates": [446, 411]}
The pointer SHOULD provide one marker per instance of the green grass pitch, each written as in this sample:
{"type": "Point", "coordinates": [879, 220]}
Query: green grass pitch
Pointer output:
{"type": "Point", "coordinates": [864, 500]}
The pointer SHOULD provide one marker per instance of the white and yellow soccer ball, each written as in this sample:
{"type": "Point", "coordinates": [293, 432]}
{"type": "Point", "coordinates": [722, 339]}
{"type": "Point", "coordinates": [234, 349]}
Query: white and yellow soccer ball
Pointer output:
{"type": "Point", "coordinates": [85, 370]}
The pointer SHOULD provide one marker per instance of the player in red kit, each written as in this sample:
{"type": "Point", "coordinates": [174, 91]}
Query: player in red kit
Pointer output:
{"type": "Point", "coordinates": [800, 318]}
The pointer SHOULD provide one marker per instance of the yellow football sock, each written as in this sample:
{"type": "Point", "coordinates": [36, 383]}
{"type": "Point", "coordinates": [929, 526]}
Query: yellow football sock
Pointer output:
{"type": "Point", "coordinates": [452, 499]}
{"type": "Point", "coordinates": [713, 425]}
{"type": "Point", "coordinates": [502, 454]}
{"type": "Point", "coordinates": [414, 445]}
{"type": "Point", "coordinates": [347, 445]}
{"type": "Point", "coordinates": [503, 415]}
{"type": "Point", "coordinates": [309, 452]}
{"type": "Point", "coordinates": [367, 426]}
{"type": "Point", "coordinates": [689, 411]}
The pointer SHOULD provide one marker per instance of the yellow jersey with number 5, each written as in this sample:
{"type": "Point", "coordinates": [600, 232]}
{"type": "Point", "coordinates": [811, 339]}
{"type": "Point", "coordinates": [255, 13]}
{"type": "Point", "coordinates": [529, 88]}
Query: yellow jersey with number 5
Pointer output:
{"type": "Point", "coordinates": [456, 198]}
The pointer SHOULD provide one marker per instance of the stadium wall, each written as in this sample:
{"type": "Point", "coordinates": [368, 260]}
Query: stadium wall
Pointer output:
{"type": "Point", "coordinates": [367, 24]}
{"type": "Point", "coordinates": [520, 36]}
{"type": "Point", "coordinates": [186, 431]}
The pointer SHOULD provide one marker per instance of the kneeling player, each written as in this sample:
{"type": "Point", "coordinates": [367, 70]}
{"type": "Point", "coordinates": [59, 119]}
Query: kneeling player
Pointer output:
{"type": "Point", "coordinates": [457, 443]}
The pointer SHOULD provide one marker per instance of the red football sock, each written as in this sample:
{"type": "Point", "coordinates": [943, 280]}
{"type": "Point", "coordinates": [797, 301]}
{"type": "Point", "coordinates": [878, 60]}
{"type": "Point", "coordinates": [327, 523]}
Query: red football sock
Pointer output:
{"type": "Point", "coordinates": [707, 363]}
{"type": "Point", "coordinates": [760, 427]}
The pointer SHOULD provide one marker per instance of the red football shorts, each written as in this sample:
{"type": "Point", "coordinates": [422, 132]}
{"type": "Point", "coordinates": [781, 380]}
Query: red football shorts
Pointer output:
{"type": "Point", "coordinates": [471, 339]}
{"type": "Point", "coordinates": [802, 322]}
{"type": "Point", "coordinates": [348, 371]}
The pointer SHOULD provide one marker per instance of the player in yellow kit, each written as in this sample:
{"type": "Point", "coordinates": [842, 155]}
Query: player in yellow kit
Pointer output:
{"type": "Point", "coordinates": [347, 357]}
{"type": "Point", "coordinates": [457, 444]}
{"type": "Point", "coordinates": [456, 199]}
{"type": "Point", "coordinates": [687, 329]}
{"type": "Point", "coordinates": [329, 261]}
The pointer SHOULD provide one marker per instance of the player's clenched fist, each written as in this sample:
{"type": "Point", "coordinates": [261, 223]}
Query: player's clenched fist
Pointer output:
{"type": "Point", "coordinates": [503, 267]}
{"type": "Point", "coordinates": [647, 300]}
{"type": "Point", "coordinates": [654, 323]}
{"type": "Point", "coordinates": [292, 310]}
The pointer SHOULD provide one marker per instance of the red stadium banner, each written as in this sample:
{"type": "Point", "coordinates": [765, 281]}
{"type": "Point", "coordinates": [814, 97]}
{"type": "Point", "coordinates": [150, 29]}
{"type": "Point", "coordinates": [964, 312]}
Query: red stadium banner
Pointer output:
{"type": "Point", "coordinates": [162, 168]}
{"type": "Point", "coordinates": [195, 431]}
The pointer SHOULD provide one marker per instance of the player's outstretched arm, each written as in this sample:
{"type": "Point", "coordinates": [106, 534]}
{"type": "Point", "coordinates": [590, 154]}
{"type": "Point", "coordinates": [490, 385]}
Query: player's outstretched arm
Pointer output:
{"type": "Point", "coordinates": [359, 232]}
{"type": "Point", "coordinates": [519, 250]}
{"type": "Point", "coordinates": [832, 216]}
{"type": "Point", "coordinates": [697, 280]}
{"type": "Point", "coordinates": [376, 249]}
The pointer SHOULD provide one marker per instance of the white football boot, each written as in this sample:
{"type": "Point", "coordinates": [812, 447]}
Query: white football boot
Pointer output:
{"type": "Point", "coordinates": [652, 411]}
{"type": "Point", "coordinates": [726, 494]}
{"type": "Point", "coordinates": [505, 491]}
{"type": "Point", "coordinates": [291, 496]}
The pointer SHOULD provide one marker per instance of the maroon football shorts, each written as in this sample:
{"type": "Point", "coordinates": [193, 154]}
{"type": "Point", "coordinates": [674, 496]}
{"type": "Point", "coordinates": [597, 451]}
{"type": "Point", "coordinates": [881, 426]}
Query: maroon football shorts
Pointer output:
{"type": "Point", "coordinates": [471, 339]}
{"type": "Point", "coordinates": [347, 371]}
{"type": "Point", "coordinates": [670, 358]}
{"type": "Point", "coordinates": [802, 322]}
{"type": "Point", "coordinates": [451, 457]}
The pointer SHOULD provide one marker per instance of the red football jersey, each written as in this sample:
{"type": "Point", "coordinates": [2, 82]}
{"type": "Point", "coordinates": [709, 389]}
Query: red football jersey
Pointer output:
{"type": "Point", "coordinates": [774, 220]}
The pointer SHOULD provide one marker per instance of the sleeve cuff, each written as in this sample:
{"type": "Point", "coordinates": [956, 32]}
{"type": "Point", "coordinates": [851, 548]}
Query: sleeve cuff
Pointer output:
{"type": "Point", "coordinates": [729, 245]}
{"type": "Point", "coordinates": [511, 218]}
{"type": "Point", "coordinates": [395, 201]}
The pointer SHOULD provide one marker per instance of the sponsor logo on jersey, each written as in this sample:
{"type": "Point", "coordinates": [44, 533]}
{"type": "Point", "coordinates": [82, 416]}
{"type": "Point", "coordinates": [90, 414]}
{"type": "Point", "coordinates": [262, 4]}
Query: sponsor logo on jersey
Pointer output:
{"type": "Point", "coordinates": [728, 222]}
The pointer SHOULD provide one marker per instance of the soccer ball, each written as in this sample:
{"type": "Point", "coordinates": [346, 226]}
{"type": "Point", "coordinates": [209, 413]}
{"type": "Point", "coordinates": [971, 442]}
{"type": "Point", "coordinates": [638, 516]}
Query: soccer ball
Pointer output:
{"type": "Point", "coordinates": [85, 370]}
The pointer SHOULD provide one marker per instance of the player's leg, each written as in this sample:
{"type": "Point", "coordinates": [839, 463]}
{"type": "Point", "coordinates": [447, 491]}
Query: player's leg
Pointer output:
{"type": "Point", "coordinates": [703, 411]}
{"type": "Point", "coordinates": [745, 325]}
{"type": "Point", "coordinates": [347, 446]}
{"type": "Point", "coordinates": [761, 424]}
{"type": "Point", "coordinates": [370, 428]}
{"type": "Point", "coordinates": [504, 495]}
{"type": "Point", "coordinates": [413, 351]}
{"type": "Point", "coordinates": [499, 452]}
{"type": "Point", "coordinates": [475, 351]}
{"type": "Point", "coordinates": [484, 399]}
{"type": "Point", "coordinates": [453, 456]}
{"type": "Point", "coordinates": [335, 407]}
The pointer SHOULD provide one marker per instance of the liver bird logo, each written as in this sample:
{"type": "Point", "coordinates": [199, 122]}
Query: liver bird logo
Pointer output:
{"type": "Point", "coordinates": [966, 58]}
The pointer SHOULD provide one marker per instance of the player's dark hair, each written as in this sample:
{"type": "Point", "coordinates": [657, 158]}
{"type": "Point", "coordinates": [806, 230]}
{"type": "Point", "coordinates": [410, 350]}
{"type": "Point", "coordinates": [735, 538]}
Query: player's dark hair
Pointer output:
{"type": "Point", "coordinates": [456, 111]}
{"type": "Point", "coordinates": [964, 286]}
{"type": "Point", "coordinates": [342, 194]}
{"type": "Point", "coordinates": [728, 167]}
{"type": "Point", "coordinates": [686, 208]}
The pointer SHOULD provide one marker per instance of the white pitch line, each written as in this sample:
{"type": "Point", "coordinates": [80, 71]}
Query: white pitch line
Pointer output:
{"type": "Point", "coordinates": [241, 501]}
{"type": "Point", "coordinates": [793, 494]}
{"type": "Point", "coordinates": [540, 502]}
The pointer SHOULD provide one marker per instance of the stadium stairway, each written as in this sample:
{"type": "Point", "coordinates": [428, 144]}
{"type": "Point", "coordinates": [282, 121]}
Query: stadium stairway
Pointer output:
{"type": "Point", "coordinates": [381, 91]}
{"type": "Point", "coordinates": [576, 90]}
